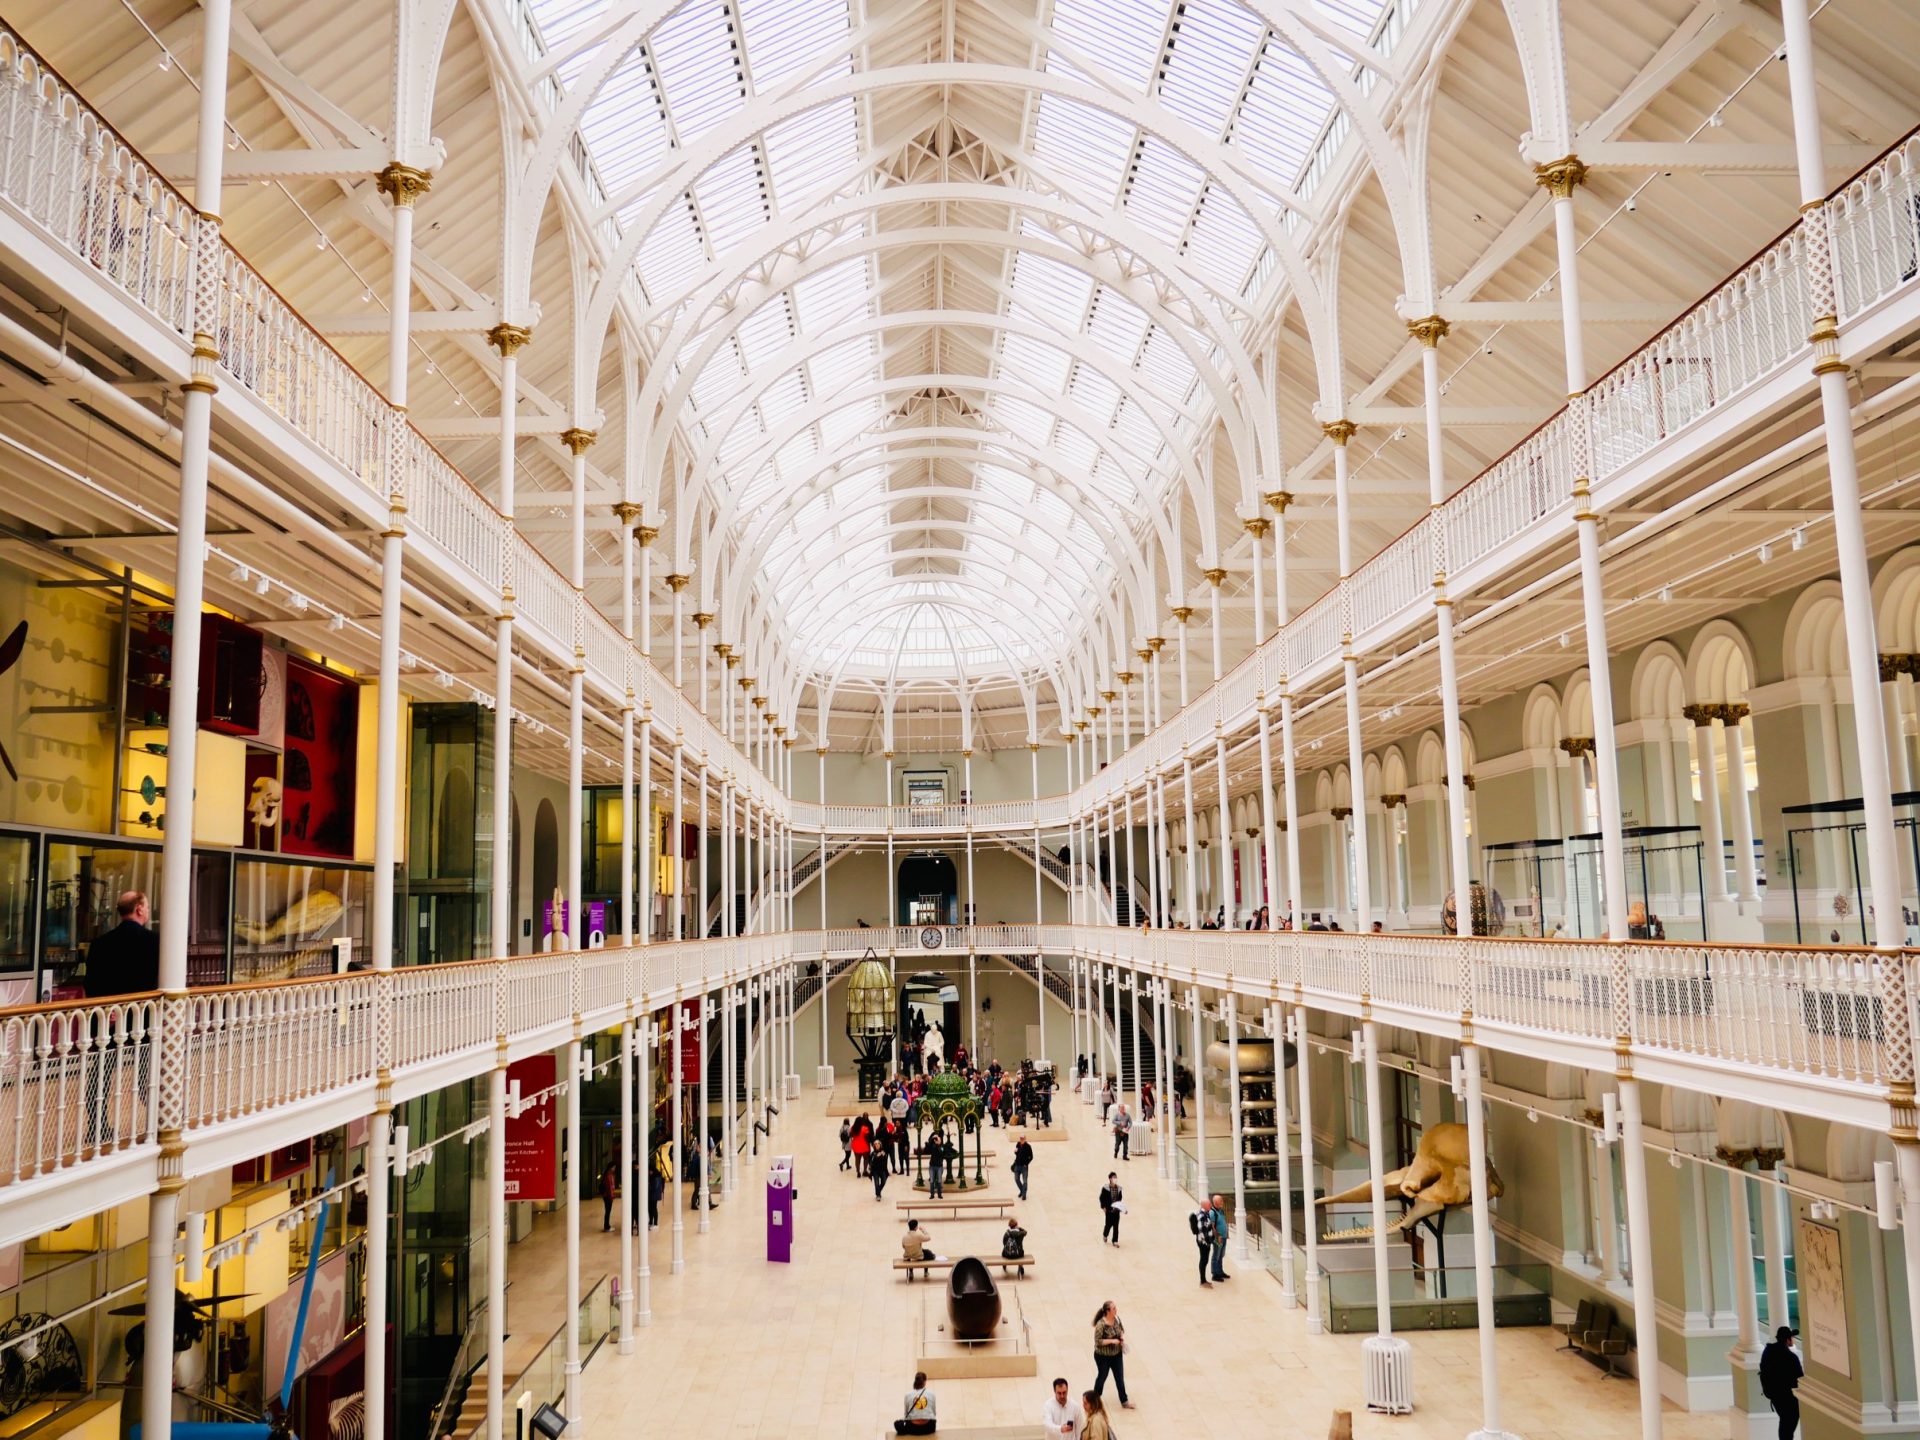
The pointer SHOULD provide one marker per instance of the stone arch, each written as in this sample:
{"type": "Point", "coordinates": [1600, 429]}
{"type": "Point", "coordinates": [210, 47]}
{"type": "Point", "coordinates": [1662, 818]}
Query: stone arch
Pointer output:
{"type": "Point", "coordinates": [1576, 705]}
{"type": "Point", "coordinates": [1815, 643]}
{"type": "Point", "coordinates": [1430, 760]}
{"type": "Point", "coordinates": [1719, 663]}
{"type": "Point", "coordinates": [1540, 726]}
{"type": "Point", "coordinates": [1659, 687]}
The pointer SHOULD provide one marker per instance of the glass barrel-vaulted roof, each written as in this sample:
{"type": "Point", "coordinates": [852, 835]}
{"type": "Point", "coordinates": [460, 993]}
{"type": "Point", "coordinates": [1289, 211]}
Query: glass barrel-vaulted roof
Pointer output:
{"type": "Point", "coordinates": [932, 351]}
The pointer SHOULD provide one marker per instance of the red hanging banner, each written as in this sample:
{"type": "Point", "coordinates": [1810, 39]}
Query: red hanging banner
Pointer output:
{"type": "Point", "coordinates": [690, 1057]}
{"type": "Point", "coordinates": [533, 1136]}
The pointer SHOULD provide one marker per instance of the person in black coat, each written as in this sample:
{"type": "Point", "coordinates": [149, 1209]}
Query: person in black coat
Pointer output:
{"type": "Point", "coordinates": [1110, 1208]}
{"type": "Point", "coordinates": [1780, 1373]}
{"type": "Point", "coordinates": [125, 960]}
{"type": "Point", "coordinates": [877, 1167]}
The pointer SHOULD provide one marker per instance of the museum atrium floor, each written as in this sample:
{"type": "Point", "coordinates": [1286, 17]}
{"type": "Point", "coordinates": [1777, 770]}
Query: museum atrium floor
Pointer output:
{"type": "Point", "coordinates": [1328, 588]}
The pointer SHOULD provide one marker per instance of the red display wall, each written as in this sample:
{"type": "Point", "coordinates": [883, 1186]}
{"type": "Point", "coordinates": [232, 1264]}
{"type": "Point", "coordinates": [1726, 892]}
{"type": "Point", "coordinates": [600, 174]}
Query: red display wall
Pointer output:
{"type": "Point", "coordinates": [322, 755]}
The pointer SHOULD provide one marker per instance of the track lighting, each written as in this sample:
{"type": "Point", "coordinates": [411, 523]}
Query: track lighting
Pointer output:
{"type": "Point", "coordinates": [336, 622]}
{"type": "Point", "coordinates": [1633, 203]}
{"type": "Point", "coordinates": [1563, 640]}
{"type": "Point", "coordinates": [262, 585]}
{"type": "Point", "coordinates": [1716, 120]}
{"type": "Point", "coordinates": [166, 62]}
{"type": "Point", "coordinates": [1666, 594]}
{"type": "Point", "coordinates": [297, 603]}
{"type": "Point", "coordinates": [320, 243]}
{"type": "Point", "coordinates": [1766, 553]}
{"type": "Point", "coordinates": [1799, 541]}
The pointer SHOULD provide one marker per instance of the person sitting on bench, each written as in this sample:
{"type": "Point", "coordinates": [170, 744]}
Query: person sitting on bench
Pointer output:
{"type": "Point", "coordinates": [914, 1243]}
{"type": "Point", "coordinates": [918, 1417]}
{"type": "Point", "coordinates": [1013, 1240]}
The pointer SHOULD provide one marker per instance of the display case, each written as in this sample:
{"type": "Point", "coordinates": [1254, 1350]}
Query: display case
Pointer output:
{"type": "Point", "coordinates": [449, 834]}
{"type": "Point", "coordinates": [19, 892]}
{"type": "Point", "coordinates": [289, 916]}
{"type": "Point", "coordinates": [1531, 876]}
{"type": "Point", "coordinates": [1666, 878]}
{"type": "Point", "coordinates": [1827, 870]}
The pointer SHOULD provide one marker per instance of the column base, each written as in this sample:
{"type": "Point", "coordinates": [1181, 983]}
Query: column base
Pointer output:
{"type": "Point", "coordinates": [823, 1077]}
{"type": "Point", "coordinates": [793, 1087]}
{"type": "Point", "coordinates": [678, 1267]}
{"type": "Point", "coordinates": [1493, 1435]}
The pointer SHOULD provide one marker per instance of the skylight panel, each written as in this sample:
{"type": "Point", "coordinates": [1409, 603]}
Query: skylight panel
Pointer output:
{"type": "Point", "coordinates": [1025, 419]}
{"type": "Point", "coordinates": [1285, 110]}
{"type": "Point", "coordinates": [834, 295]}
{"type": "Point", "coordinates": [783, 399]}
{"type": "Point", "coordinates": [1075, 449]}
{"type": "Point", "coordinates": [1048, 291]}
{"type": "Point", "coordinates": [1122, 37]}
{"type": "Point", "coordinates": [767, 331]}
{"type": "Point", "coordinates": [1117, 325]}
{"type": "Point", "coordinates": [1095, 393]}
{"type": "Point", "coordinates": [1168, 371]}
{"type": "Point", "coordinates": [671, 255]}
{"type": "Point", "coordinates": [1213, 44]}
{"type": "Point", "coordinates": [1162, 189]}
{"type": "Point", "coordinates": [783, 35]}
{"type": "Point", "coordinates": [1083, 148]}
{"type": "Point", "coordinates": [697, 55]}
{"type": "Point", "coordinates": [732, 195]}
{"type": "Point", "coordinates": [624, 128]}
{"type": "Point", "coordinates": [718, 378]}
{"type": "Point", "coordinates": [1035, 362]}
{"type": "Point", "coordinates": [843, 366]}
{"type": "Point", "coordinates": [848, 421]}
{"type": "Point", "coordinates": [1137, 435]}
{"type": "Point", "coordinates": [812, 152]}
{"type": "Point", "coordinates": [1223, 241]}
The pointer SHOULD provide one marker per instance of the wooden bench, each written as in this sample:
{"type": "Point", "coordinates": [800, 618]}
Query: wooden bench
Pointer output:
{"type": "Point", "coordinates": [946, 1262]}
{"type": "Point", "coordinates": [961, 1207]}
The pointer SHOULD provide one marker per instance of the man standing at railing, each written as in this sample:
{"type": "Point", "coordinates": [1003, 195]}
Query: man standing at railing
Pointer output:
{"type": "Point", "coordinates": [124, 961]}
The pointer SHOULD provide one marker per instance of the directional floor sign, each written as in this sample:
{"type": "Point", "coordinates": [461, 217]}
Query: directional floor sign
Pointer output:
{"type": "Point", "coordinates": [533, 1137]}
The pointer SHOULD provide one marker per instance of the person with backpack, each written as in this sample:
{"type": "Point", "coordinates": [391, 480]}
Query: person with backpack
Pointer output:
{"type": "Point", "coordinates": [1780, 1372]}
{"type": "Point", "coordinates": [1200, 1222]}
{"type": "Point", "coordinates": [1013, 1241]}
{"type": "Point", "coordinates": [918, 1415]}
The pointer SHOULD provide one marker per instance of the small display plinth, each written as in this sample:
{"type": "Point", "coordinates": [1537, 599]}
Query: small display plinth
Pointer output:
{"type": "Point", "coordinates": [989, 1361]}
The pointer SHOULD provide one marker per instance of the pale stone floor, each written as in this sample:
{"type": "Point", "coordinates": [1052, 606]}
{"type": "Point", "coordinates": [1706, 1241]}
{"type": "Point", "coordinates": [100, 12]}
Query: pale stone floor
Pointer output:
{"type": "Point", "coordinates": [825, 1346]}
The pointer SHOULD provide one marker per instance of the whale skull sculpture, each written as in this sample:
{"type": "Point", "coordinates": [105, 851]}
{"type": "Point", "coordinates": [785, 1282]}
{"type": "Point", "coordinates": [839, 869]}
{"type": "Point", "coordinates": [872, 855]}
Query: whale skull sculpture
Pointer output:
{"type": "Point", "coordinates": [1438, 1179]}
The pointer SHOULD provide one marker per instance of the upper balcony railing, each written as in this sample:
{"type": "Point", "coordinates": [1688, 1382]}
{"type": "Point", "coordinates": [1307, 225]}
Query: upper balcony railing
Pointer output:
{"type": "Point", "coordinates": [68, 174]}
{"type": "Point", "coordinates": [87, 1089]}
{"type": "Point", "coordinates": [1748, 331]}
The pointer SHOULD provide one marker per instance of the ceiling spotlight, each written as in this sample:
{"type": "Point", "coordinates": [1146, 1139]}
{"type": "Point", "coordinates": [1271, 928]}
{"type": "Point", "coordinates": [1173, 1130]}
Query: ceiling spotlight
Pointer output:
{"type": "Point", "coordinates": [233, 139]}
{"type": "Point", "coordinates": [297, 604]}
{"type": "Point", "coordinates": [1633, 203]}
{"type": "Point", "coordinates": [320, 243]}
{"type": "Point", "coordinates": [366, 296]}
{"type": "Point", "coordinates": [1666, 594]}
{"type": "Point", "coordinates": [1563, 640]}
{"type": "Point", "coordinates": [1766, 553]}
{"type": "Point", "coordinates": [262, 585]}
{"type": "Point", "coordinates": [1799, 541]}
{"type": "Point", "coordinates": [166, 61]}
{"type": "Point", "coordinates": [446, 681]}
{"type": "Point", "coordinates": [336, 622]}
{"type": "Point", "coordinates": [240, 574]}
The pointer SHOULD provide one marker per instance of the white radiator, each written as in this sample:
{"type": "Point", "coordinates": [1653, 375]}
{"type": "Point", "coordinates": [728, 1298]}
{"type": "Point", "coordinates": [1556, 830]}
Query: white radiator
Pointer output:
{"type": "Point", "coordinates": [1389, 1375]}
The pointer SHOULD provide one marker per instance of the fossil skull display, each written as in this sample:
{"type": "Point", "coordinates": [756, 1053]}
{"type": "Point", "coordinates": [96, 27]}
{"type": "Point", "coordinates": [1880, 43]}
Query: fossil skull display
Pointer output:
{"type": "Point", "coordinates": [1438, 1179]}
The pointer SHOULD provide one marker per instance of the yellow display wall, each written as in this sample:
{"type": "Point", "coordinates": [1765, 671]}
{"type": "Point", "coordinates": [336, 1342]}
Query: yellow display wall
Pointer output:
{"type": "Point", "coordinates": [66, 671]}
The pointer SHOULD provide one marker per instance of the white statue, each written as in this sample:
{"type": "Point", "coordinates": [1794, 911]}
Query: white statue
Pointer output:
{"type": "Point", "coordinates": [933, 1048]}
{"type": "Point", "coordinates": [263, 807]}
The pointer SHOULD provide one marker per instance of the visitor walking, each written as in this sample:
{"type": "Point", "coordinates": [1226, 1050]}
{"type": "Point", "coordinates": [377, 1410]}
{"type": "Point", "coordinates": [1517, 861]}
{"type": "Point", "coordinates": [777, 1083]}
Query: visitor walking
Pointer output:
{"type": "Point", "coordinates": [877, 1169]}
{"type": "Point", "coordinates": [1112, 1207]}
{"type": "Point", "coordinates": [1022, 1163]}
{"type": "Point", "coordinates": [862, 1145]}
{"type": "Point", "coordinates": [918, 1414]}
{"type": "Point", "coordinates": [1095, 1425]}
{"type": "Point", "coordinates": [1063, 1415]}
{"type": "Point", "coordinates": [846, 1144]}
{"type": "Point", "coordinates": [1220, 1229]}
{"type": "Point", "coordinates": [1110, 1352]}
{"type": "Point", "coordinates": [1780, 1373]}
{"type": "Point", "coordinates": [1200, 1222]}
{"type": "Point", "coordinates": [1122, 1124]}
